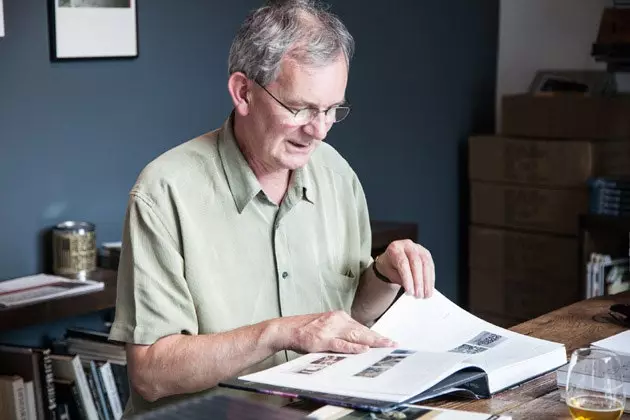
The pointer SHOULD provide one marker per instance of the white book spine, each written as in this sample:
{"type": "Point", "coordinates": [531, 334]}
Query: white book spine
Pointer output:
{"type": "Point", "coordinates": [111, 390]}
{"type": "Point", "coordinates": [12, 400]}
{"type": "Point", "coordinates": [29, 395]}
{"type": "Point", "coordinates": [20, 399]}
{"type": "Point", "coordinates": [84, 389]}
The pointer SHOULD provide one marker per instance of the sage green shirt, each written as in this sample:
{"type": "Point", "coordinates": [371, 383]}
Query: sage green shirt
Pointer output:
{"type": "Point", "coordinates": [205, 251]}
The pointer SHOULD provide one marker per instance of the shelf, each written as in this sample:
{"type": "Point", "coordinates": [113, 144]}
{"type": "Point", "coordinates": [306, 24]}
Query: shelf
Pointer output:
{"type": "Point", "coordinates": [56, 309]}
{"type": "Point", "coordinates": [603, 222]}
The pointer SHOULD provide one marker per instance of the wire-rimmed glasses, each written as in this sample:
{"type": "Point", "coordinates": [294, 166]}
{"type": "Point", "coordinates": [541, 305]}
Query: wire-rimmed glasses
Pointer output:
{"type": "Point", "coordinates": [306, 115]}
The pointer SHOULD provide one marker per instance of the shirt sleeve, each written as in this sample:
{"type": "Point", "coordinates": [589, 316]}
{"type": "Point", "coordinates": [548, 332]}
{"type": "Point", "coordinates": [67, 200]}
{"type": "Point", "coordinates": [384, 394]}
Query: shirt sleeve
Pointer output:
{"type": "Point", "coordinates": [153, 299]}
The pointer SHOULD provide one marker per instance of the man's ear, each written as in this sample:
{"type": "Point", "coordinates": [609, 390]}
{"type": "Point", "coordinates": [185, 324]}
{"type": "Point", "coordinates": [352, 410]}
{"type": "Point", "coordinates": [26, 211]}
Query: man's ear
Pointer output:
{"type": "Point", "coordinates": [239, 88]}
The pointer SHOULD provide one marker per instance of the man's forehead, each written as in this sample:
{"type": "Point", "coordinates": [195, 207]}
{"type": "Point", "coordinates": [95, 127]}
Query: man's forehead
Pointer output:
{"type": "Point", "coordinates": [313, 85]}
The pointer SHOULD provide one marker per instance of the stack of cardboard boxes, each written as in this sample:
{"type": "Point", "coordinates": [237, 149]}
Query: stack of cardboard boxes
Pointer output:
{"type": "Point", "coordinates": [528, 187]}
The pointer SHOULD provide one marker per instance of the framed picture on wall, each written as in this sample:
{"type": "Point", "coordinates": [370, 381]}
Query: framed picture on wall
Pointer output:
{"type": "Point", "coordinates": [93, 29]}
{"type": "Point", "coordinates": [1, 19]}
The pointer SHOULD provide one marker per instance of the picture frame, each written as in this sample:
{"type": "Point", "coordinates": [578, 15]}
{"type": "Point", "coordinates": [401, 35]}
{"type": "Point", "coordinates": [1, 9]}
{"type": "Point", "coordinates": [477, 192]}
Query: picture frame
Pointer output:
{"type": "Point", "coordinates": [1, 19]}
{"type": "Point", "coordinates": [93, 29]}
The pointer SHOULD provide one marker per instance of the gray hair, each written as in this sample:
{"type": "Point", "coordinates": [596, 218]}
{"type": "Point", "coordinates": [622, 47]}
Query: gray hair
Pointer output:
{"type": "Point", "coordinates": [303, 30]}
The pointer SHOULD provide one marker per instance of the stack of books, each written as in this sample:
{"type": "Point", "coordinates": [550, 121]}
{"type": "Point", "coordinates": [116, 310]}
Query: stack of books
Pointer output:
{"type": "Point", "coordinates": [83, 378]}
{"type": "Point", "coordinates": [110, 255]}
{"type": "Point", "coordinates": [28, 290]}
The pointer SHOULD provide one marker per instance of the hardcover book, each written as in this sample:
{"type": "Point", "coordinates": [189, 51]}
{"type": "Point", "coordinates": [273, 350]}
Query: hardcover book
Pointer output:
{"type": "Point", "coordinates": [443, 349]}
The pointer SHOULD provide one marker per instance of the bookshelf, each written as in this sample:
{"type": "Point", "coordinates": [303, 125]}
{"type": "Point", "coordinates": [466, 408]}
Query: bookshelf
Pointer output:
{"type": "Point", "coordinates": [57, 309]}
{"type": "Point", "coordinates": [382, 234]}
{"type": "Point", "coordinates": [603, 234]}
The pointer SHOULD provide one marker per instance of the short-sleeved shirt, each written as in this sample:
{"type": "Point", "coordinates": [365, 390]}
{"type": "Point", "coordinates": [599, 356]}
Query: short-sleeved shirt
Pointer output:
{"type": "Point", "coordinates": [206, 251]}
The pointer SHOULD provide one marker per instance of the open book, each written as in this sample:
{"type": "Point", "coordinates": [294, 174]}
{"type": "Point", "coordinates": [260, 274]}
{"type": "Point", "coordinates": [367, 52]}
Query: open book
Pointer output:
{"type": "Point", "coordinates": [442, 349]}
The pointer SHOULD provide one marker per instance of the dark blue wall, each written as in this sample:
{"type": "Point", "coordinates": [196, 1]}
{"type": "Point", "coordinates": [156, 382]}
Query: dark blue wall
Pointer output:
{"type": "Point", "coordinates": [74, 135]}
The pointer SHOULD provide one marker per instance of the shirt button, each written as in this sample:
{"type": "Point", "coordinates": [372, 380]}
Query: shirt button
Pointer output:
{"type": "Point", "coordinates": [285, 275]}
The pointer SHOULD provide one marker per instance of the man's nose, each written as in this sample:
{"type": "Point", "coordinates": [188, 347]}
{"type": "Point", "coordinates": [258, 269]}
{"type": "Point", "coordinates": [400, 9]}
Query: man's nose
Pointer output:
{"type": "Point", "coordinates": [318, 127]}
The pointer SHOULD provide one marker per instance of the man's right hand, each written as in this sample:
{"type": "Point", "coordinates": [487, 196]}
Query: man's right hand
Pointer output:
{"type": "Point", "coordinates": [329, 331]}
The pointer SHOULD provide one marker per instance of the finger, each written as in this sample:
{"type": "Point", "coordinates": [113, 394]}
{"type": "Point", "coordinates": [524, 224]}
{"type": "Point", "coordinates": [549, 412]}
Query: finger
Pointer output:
{"type": "Point", "coordinates": [415, 262]}
{"type": "Point", "coordinates": [401, 265]}
{"type": "Point", "coordinates": [360, 334]}
{"type": "Point", "coordinates": [342, 346]}
{"type": "Point", "coordinates": [374, 339]}
{"type": "Point", "coordinates": [383, 342]}
{"type": "Point", "coordinates": [429, 272]}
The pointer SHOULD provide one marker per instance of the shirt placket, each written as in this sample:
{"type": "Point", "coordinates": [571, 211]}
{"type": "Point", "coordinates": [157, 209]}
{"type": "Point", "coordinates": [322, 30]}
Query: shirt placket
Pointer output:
{"type": "Point", "coordinates": [285, 268]}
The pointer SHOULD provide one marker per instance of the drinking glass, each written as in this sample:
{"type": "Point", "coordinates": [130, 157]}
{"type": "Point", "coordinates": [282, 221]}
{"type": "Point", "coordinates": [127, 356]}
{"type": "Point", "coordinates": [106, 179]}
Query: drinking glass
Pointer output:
{"type": "Point", "coordinates": [594, 389]}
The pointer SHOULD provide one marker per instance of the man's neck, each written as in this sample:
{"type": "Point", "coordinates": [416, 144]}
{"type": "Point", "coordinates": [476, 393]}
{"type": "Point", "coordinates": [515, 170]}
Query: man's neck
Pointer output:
{"type": "Point", "coordinates": [274, 182]}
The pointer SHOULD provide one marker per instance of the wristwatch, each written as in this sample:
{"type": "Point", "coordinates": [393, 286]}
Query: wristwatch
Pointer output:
{"type": "Point", "coordinates": [378, 274]}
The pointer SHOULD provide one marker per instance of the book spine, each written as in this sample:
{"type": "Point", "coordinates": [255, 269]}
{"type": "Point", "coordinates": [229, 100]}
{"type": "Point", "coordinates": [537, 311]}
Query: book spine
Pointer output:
{"type": "Point", "coordinates": [29, 396]}
{"type": "Point", "coordinates": [19, 400]}
{"type": "Point", "coordinates": [77, 403]}
{"type": "Point", "coordinates": [94, 392]}
{"type": "Point", "coordinates": [88, 402]}
{"type": "Point", "coordinates": [100, 391]}
{"type": "Point", "coordinates": [122, 382]}
{"type": "Point", "coordinates": [105, 371]}
{"type": "Point", "coordinates": [48, 386]}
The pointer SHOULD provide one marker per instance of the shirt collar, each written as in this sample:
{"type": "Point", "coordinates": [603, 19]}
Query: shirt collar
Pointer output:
{"type": "Point", "coordinates": [242, 181]}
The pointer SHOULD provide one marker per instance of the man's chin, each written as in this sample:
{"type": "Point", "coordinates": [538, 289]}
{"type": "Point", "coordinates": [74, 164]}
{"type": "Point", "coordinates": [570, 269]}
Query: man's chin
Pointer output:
{"type": "Point", "coordinates": [295, 162]}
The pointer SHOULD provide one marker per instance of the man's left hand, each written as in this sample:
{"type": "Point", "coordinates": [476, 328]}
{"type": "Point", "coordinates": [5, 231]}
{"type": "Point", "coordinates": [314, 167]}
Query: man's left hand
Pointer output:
{"type": "Point", "coordinates": [409, 265]}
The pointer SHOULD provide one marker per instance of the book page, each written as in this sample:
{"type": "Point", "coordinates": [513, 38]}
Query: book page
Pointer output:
{"type": "Point", "coordinates": [382, 374]}
{"type": "Point", "coordinates": [439, 325]}
{"type": "Point", "coordinates": [436, 338]}
{"type": "Point", "coordinates": [619, 343]}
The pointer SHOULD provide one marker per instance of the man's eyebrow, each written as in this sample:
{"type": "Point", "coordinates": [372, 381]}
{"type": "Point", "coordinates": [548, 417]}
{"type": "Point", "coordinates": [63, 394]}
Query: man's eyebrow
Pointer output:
{"type": "Point", "coordinates": [301, 104]}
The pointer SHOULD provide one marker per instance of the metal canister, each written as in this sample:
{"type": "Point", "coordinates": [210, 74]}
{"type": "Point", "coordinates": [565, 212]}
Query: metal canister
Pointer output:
{"type": "Point", "coordinates": [74, 249]}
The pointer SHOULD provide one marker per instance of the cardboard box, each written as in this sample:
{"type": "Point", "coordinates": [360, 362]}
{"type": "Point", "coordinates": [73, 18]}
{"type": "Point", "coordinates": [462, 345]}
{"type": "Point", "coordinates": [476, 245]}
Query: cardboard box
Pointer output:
{"type": "Point", "coordinates": [570, 116]}
{"type": "Point", "coordinates": [505, 250]}
{"type": "Point", "coordinates": [525, 161]}
{"type": "Point", "coordinates": [611, 158]}
{"type": "Point", "coordinates": [520, 294]}
{"type": "Point", "coordinates": [536, 209]}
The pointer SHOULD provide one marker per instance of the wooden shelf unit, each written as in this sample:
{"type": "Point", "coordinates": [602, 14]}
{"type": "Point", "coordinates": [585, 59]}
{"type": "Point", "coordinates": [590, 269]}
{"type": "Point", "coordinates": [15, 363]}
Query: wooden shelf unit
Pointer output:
{"type": "Point", "coordinates": [602, 234]}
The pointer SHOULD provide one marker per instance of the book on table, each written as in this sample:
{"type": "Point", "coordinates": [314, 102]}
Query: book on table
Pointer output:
{"type": "Point", "coordinates": [42, 287]}
{"type": "Point", "coordinates": [442, 349]}
{"type": "Point", "coordinates": [408, 412]}
{"type": "Point", "coordinates": [618, 343]}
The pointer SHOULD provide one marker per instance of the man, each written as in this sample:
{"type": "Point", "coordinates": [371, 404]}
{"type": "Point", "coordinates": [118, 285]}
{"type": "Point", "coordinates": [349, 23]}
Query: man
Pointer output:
{"type": "Point", "coordinates": [252, 242]}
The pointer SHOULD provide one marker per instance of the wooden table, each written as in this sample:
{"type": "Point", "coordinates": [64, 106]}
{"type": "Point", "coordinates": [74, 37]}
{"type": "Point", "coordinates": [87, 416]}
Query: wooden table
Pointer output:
{"type": "Point", "coordinates": [539, 399]}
